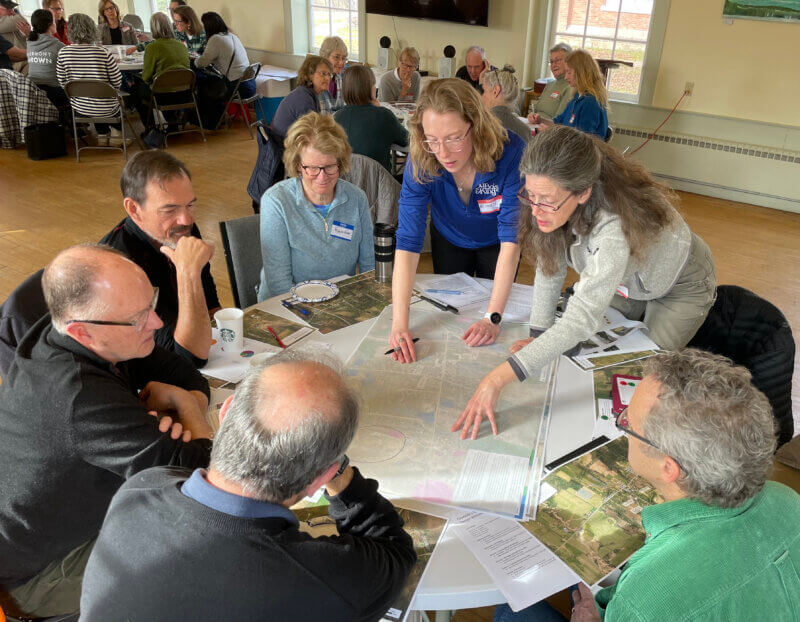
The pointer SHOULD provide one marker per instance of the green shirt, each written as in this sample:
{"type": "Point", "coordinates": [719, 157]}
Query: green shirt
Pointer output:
{"type": "Point", "coordinates": [162, 55]}
{"type": "Point", "coordinates": [371, 130]}
{"type": "Point", "coordinates": [701, 563]}
{"type": "Point", "coordinates": [554, 98]}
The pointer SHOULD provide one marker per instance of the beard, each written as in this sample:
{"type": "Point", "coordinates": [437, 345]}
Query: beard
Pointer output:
{"type": "Point", "coordinates": [175, 234]}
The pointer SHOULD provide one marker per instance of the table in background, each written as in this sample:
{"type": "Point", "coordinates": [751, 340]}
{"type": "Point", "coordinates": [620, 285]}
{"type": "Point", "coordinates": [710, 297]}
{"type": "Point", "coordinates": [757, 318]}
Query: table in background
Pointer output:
{"type": "Point", "coordinates": [454, 579]}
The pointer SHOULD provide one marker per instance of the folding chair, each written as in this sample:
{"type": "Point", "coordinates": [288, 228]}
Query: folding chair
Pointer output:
{"type": "Point", "coordinates": [249, 73]}
{"type": "Point", "coordinates": [241, 240]}
{"type": "Point", "coordinates": [97, 89]}
{"type": "Point", "coordinates": [172, 82]}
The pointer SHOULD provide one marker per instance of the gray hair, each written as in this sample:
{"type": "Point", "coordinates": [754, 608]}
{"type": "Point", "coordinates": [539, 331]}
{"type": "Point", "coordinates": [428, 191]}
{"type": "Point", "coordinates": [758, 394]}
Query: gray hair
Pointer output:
{"type": "Point", "coordinates": [275, 465]}
{"type": "Point", "coordinates": [409, 52]}
{"type": "Point", "coordinates": [330, 45]}
{"type": "Point", "coordinates": [68, 283]}
{"type": "Point", "coordinates": [711, 419]}
{"type": "Point", "coordinates": [160, 26]}
{"type": "Point", "coordinates": [81, 28]}
{"type": "Point", "coordinates": [147, 166]}
{"type": "Point", "coordinates": [506, 80]}
{"type": "Point", "coordinates": [475, 48]}
{"type": "Point", "coordinates": [561, 47]}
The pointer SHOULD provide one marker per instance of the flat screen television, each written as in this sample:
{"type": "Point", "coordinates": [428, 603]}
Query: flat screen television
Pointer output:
{"type": "Point", "coordinates": [472, 12]}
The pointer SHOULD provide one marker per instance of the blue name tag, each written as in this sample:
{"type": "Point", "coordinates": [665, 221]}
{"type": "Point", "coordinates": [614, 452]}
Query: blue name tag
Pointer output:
{"type": "Point", "coordinates": [342, 230]}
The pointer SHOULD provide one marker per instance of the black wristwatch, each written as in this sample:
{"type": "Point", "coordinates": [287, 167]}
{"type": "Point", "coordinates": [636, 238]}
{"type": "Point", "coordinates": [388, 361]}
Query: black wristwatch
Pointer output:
{"type": "Point", "coordinates": [343, 464]}
{"type": "Point", "coordinates": [495, 318]}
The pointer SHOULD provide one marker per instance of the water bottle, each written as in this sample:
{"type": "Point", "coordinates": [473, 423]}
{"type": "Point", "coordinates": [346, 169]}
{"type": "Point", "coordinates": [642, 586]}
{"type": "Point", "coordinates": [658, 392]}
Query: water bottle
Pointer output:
{"type": "Point", "coordinates": [384, 252]}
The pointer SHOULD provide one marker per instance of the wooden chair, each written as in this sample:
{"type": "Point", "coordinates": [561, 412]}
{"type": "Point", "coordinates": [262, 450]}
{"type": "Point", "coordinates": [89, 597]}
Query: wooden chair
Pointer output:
{"type": "Point", "coordinates": [250, 73]}
{"type": "Point", "coordinates": [173, 82]}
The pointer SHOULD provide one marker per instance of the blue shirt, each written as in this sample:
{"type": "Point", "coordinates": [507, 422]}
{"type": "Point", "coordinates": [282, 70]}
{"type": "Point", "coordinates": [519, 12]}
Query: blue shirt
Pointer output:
{"type": "Point", "coordinates": [489, 217]}
{"type": "Point", "coordinates": [299, 243]}
{"type": "Point", "coordinates": [585, 113]}
{"type": "Point", "coordinates": [199, 489]}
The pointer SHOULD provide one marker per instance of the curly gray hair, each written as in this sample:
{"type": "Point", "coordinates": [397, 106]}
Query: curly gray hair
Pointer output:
{"type": "Point", "coordinates": [276, 464]}
{"type": "Point", "coordinates": [711, 419]}
{"type": "Point", "coordinates": [81, 28]}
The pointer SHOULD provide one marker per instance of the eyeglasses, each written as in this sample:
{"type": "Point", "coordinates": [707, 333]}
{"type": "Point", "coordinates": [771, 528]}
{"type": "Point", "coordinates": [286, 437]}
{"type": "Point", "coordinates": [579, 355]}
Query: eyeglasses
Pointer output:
{"type": "Point", "coordinates": [138, 323]}
{"type": "Point", "coordinates": [454, 145]}
{"type": "Point", "coordinates": [178, 21]}
{"type": "Point", "coordinates": [407, 66]}
{"type": "Point", "coordinates": [314, 171]}
{"type": "Point", "coordinates": [523, 197]}
{"type": "Point", "coordinates": [324, 74]}
{"type": "Point", "coordinates": [555, 61]}
{"type": "Point", "coordinates": [622, 423]}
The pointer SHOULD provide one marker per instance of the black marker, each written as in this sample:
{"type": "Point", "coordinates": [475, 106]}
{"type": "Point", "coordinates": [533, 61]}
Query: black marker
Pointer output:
{"type": "Point", "coordinates": [398, 348]}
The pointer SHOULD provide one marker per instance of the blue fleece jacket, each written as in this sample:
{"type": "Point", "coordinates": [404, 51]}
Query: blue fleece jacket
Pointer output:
{"type": "Point", "coordinates": [298, 244]}
{"type": "Point", "coordinates": [585, 113]}
{"type": "Point", "coordinates": [490, 216]}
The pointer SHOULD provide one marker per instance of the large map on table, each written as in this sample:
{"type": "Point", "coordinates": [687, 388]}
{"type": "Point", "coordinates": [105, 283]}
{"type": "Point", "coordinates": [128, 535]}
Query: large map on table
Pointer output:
{"type": "Point", "coordinates": [593, 520]}
{"type": "Point", "coordinates": [404, 438]}
{"type": "Point", "coordinates": [360, 298]}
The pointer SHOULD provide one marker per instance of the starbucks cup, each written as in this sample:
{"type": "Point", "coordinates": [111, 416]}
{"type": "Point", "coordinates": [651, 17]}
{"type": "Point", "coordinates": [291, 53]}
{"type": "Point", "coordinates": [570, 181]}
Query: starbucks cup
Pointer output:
{"type": "Point", "coordinates": [230, 324]}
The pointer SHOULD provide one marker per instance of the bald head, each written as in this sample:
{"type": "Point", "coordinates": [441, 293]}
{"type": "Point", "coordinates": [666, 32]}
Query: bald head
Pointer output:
{"type": "Point", "coordinates": [288, 422]}
{"type": "Point", "coordinates": [80, 280]}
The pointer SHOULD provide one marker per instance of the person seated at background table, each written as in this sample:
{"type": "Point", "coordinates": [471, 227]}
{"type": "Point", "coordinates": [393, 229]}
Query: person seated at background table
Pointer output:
{"type": "Point", "coordinates": [83, 60]}
{"type": "Point", "coordinates": [501, 98]}
{"type": "Point", "coordinates": [162, 54]}
{"type": "Point", "coordinates": [72, 427]}
{"type": "Point", "coordinates": [15, 28]}
{"type": "Point", "coordinates": [10, 53]}
{"type": "Point", "coordinates": [588, 208]}
{"type": "Point", "coordinates": [43, 48]}
{"type": "Point", "coordinates": [722, 545]}
{"type": "Point", "coordinates": [112, 30]}
{"type": "Point", "coordinates": [556, 93]}
{"type": "Point", "coordinates": [313, 78]}
{"type": "Point", "coordinates": [314, 225]}
{"type": "Point", "coordinates": [371, 129]}
{"type": "Point", "coordinates": [587, 108]}
{"type": "Point", "coordinates": [56, 7]}
{"type": "Point", "coordinates": [466, 166]}
{"type": "Point", "coordinates": [474, 66]}
{"type": "Point", "coordinates": [225, 51]}
{"type": "Point", "coordinates": [283, 436]}
{"type": "Point", "coordinates": [334, 50]}
{"type": "Point", "coordinates": [189, 29]}
{"type": "Point", "coordinates": [402, 84]}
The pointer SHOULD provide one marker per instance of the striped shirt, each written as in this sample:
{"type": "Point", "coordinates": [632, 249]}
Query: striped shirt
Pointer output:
{"type": "Point", "coordinates": [88, 62]}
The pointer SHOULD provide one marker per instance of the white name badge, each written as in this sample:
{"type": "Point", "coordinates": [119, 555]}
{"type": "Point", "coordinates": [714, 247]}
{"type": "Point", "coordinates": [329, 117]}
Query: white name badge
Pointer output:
{"type": "Point", "coordinates": [622, 290]}
{"type": "Point", "coordinates": [489, 206]}
{"type": "Point", "coordinates": [342, 230]}
{"type": "Point", "coordinates": [126, 29]}
{"type": "Point", "coordinates": [555, 95]}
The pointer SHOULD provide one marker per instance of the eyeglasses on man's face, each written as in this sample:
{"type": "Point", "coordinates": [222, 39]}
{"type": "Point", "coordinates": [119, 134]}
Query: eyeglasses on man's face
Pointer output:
{"type": "Point", "coordinates": [622, 423]}
{"type": "Point", "coordinates": [314, 171]}
{"type": "Point", "coordinates": [525, 200]}
{"type": "Point", "coordinates": [405, 65]}
{"type": "Point", "coordinates": [454, 145]}
{"type": "Point", "coordinates": [138, 322]}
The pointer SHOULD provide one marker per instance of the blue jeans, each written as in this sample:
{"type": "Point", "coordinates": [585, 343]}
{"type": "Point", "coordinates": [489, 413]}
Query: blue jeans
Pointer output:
{"type": "Point", "coordinates": [539, 612]}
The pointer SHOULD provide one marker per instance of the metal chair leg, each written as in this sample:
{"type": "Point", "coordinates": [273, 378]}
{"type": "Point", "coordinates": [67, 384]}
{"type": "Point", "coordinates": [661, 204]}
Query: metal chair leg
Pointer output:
{"type": "Point", "coordinates": [245, 115]}
{"type": "Point", "coordinates": [199, 120]}
{"type": "Point", "coordinates": [75, 136]}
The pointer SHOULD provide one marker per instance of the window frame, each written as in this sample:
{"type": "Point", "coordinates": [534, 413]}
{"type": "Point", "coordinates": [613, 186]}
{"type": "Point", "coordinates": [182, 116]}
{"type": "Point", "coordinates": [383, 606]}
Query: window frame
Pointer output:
{"type": "Point", "coordinates": [360, 16]}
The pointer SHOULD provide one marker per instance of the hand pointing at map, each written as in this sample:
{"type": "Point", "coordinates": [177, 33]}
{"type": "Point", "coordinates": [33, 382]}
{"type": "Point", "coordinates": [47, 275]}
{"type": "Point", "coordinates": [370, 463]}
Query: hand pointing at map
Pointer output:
{"type": "Point", "coordinates": [483, 401]}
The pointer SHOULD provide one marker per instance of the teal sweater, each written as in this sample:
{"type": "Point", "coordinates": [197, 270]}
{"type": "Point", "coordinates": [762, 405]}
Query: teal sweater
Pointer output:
{"type": "Point", "coordinates": [371, 130]}
{"type": "Point", "coordinates": [703, 563]}
{"type": "Point", "coordinates": [162, 55]}
{"type": "Point", "coordinates": [298, 244]}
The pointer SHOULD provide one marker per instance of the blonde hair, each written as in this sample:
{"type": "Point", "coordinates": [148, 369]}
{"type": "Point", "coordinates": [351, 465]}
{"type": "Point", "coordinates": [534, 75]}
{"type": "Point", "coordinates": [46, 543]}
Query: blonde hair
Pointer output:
{"type": "Point", "coordinates": [506, 80]}
{"type": "Point", "coordinates": [101, 7]}
{"type": "Point", "coordinates": [411, 53]}
{"type": "Point", "coordinates": [309, 68]}
{"type": "Point", "coordinates": [322, 133]}
{"type": "Point", "coordinates": [454, 95]}
{"type": "Point", "coordinates": [588, 79]}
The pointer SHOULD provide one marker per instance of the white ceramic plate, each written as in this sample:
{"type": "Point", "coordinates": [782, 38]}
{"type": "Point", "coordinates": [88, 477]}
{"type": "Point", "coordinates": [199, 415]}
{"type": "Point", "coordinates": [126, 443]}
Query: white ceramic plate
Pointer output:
{"type": "Point", "coordinates": [314, 291]}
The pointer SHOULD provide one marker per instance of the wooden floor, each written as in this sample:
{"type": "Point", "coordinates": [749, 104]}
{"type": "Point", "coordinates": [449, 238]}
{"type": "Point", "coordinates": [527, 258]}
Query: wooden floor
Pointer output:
{"type": "Point", "coordinates": [46, 206]}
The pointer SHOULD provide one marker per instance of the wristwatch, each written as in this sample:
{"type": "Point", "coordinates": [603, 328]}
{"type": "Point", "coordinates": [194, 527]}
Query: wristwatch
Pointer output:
{"type": "Point", "coordinates": [343, 464]}
{"type": "Point", "coordinates": [495, 318]}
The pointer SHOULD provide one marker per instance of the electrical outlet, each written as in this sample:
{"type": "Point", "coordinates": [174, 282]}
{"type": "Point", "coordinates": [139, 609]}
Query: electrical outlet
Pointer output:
{"type": "Point", "coordinates": [689, 88]}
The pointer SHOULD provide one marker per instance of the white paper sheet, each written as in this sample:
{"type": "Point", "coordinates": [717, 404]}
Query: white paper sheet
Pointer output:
{"type": "Point", "coordinates": [523, 569]}
{"type": "Point", "coordinates": [604, 423]}
{"type": "Point", "coordinates": [500, 491]}
{"type": "Point", "coordinates": [518, 306]}
{"type": "Point", "coordinates": [471, 291]}
{"type": "Point", "coordinates": [232, 366]}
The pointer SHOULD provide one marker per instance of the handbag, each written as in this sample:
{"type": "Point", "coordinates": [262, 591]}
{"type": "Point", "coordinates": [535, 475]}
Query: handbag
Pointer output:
{"type": "Point", "coordinates": [45, 141]}
{"type": "Point", "coordinates": [154, 138]}
{"type": "Point", "coordinates": [212, 84]}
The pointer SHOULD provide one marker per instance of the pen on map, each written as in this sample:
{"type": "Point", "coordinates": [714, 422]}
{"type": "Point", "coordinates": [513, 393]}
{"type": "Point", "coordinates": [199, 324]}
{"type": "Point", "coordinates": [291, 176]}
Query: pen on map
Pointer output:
{"type": "Point", "coordinates": [398, 348]}
{"type": "Point", "coordinates": [289, 305]}
{"type": "Point", "coordinates": [446, 292]}
{"type": "Point", "coordinates": [441, 305]}
{"type": "Point", "coordinates": [278, 339]}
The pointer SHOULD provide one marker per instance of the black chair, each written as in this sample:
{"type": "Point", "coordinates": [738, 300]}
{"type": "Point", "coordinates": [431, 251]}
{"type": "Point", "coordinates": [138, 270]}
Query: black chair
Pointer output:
{"type": "Point", "coordinates": [97, 89]}
{"type": "Point", "coordinates": [172, 83]}
{"type": "Point", "coordinates": [250, 73]}
{"type": "Point", "coordinates": [755, 334]}
{"type": "Point", "coordinates": [241, 240]}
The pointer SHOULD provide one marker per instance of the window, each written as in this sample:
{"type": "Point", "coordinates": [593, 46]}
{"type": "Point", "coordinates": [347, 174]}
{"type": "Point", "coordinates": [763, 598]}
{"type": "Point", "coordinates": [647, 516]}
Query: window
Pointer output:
{"type": "Point", "coordinates": [146, 8]}
{"type": "Point", "coordinates": [609, 29]}
{"type": "Point", "coordinates": [334, 17]}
